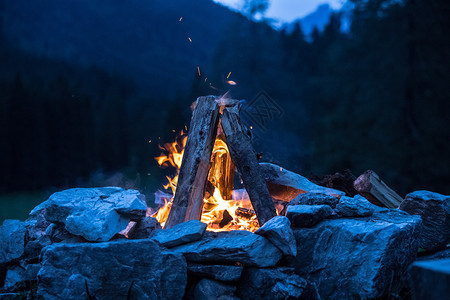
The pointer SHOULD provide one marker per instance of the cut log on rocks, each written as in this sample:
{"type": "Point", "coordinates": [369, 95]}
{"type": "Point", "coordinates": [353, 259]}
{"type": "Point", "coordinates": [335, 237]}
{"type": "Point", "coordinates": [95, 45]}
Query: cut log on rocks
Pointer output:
{"type": "Point", "coordinates": [188, 200]}
{"type": "Point", "coordinates": [285, 185]}
{"type": "Point", "coordinates": [244, 158]}
{"type": "Point", "coordinates": [371, 187]}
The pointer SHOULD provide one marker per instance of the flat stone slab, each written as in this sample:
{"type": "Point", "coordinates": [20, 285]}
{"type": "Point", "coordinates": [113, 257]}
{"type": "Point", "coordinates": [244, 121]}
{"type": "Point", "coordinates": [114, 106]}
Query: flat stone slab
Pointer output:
{"type": "Point", "coordinates": [278, 231]}
{"type": "Point", "coordinates": [360, 257]}
{"type": "Point", "coordinates": [271, 283]}
{"type": "Point", "coordinates": [12, 240]}
{"type": "Point", "coordinates": [96, 214]}
{"type": "Point", "coordinates": [230, 247]}
{"type": "Point", "coordinates": [430, 279]}
{"type": "Point", "coordinates": [357, 206]}
{"type": "Point", "coordinates": [307, 215]}
{"type": "Point", "coordinates": [139, 269]}
{"type": "Point", "coordinates": [182, 233]}
{"type": "Point", "coordinates": [217, 272]}
{"type": "Point", "coordinates": [315, 199]}
{"type": "Point", "coordinates": [434, 209]}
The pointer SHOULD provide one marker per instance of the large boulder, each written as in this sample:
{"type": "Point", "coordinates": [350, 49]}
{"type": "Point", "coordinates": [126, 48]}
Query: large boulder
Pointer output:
{"type": "Point", "coordinates": [434, 209]}
{"type": "Point", "coordinates": [244, 247]}
{"type": "Point", "coordinates": [307, 215]}
{"type": "Point", "coordinates": [364, 257]}
{"type": "Point", "coordinates": [430, 279]}
{"type": "Point", "coordinates": [271, 283]}
{"type": "Point", "coordinates": [12, 241]}
{"type": "Point", "coordinates": [182, 233]}
{"type": "Point", "coordinates": [139, 269]}
{"type": "Point", "coordinates": [278, 231]}
{"type": "Point", "coordinates": [96, 214]}
{"type": "Point", "coordinates": [357, 206]}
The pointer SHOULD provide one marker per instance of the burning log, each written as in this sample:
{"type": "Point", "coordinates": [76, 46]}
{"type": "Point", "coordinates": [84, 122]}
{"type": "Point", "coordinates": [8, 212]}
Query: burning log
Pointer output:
{"type": "Point", "coordinates": [221, 174]}
{"type": "Point", "coordinates": [188, 200]}
{"type": "Point", "coordinates": [285, 185]}
{"type": "Point", "coordinates": [244, 158]}
{"type": "Point", "coordinates": [376, 191]}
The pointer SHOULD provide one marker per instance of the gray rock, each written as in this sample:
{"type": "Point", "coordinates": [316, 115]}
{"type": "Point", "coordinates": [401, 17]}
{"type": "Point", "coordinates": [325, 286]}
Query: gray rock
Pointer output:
{"type": "Point", "coordinates": [217, 272]}
{"type": "Point", "coordinates": [36, 225]}
{"type": "Point", "coordinates": [19, 277]}
{"type": "Point", "coordinates": [229, 247]}
{"type": "Point", "coordinates": [357, 206]}
{"type": "Point", "coordinates": [430, 279]}
{"type": "Point", "coordinates": [109, 270]}
{"type": "Point", "coordinates": [145, 227]}
{"type": "Point", "coordinates": [182, 233]}
{"type": "Point", "coordinates": [278, 231]}
{"type": "Point", "coordinates": [307, 215]}
{"type": "Point", "coordinates": [434, 209]}
{"type": "Point", "coordinates": [286, 185]}
{"type": "Point", "coordinates": [364, 257]}
{"type": "Point", "coordinates": [96, 214]}
{"type": "Point", "coordinates": [315, 199]}
{"type": "Point", "coordinates": [280, 283]}
{"type": "Point", "coordinates": [12, 241]}
{"type": "Point", "coordinates": [208, 289]}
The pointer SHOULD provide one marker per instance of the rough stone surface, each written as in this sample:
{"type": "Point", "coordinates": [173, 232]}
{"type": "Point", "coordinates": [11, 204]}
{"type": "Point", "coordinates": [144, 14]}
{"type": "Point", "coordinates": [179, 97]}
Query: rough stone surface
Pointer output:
{"type": "Point", "coordinates": [20, 276]}
{"type": "Point", "coordinates": [210, 289]}
{"type": "Point", "coordinates": [315, 199]}
{"type": "Point", "coordinates": [113, 270]}
{"type": "Point", "coordinates": [307, 215]}
{"type": "Point", "coordinates": [96, 214]}
{"type": "Point", "coordinates": [217, 272]}
{"type": "Point", "coordinates": [182, 233]}
{"type": "Point", "coordinates": [278, 231]}
{"type": "Point", "coordinates": [434, 209]}
{"type": "Point", "coordinates": [12, 241]}
{"type": "Point", "coordinates": [357, 206]}
{"type": "Point", "coordinates": [349, 258]}
{"type": "Point", "coordinates": [244, 247]}
{"type": "Point", "coordinates": [279, 283]}
{"type": "Point", "coordinates": [430, 279]}
{"type": "Point", "coordinates": [145, 227]}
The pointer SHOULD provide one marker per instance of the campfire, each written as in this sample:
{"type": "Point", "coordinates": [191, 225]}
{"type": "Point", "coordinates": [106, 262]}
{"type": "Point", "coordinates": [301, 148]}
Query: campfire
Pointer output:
{"type": "Point", "coordinates": [203, 186]}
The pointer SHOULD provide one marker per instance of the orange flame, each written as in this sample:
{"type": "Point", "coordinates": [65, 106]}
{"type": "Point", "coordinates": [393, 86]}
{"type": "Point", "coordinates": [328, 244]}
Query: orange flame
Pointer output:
{"type": "Point", "coordinates": [216, 210]}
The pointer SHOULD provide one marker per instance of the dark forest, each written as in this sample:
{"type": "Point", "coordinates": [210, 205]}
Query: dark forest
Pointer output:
{"type": "Point", "coordinates": [89, 89]}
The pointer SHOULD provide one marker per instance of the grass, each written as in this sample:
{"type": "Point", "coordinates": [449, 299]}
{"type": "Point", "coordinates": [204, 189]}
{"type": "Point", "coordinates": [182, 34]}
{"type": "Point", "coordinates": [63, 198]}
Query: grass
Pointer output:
{"type": "Point", "coordinates": [19, 205]}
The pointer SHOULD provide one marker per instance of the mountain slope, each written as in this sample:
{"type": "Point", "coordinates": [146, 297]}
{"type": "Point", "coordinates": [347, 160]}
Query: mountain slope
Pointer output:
{"type": "Point", "coordinates": [142, 40]}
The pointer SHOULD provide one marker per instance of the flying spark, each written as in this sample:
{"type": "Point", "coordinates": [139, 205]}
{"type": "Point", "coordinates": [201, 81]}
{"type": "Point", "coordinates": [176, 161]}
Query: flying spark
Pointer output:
{"type": "Point", "coordinates": [228, 75]}
{"type": "Point", "coordinates": [198, 69]}
{"type": "Point", "coordinates": [190, 39]}
{"type": "Point", "coordinates": [180, 19]}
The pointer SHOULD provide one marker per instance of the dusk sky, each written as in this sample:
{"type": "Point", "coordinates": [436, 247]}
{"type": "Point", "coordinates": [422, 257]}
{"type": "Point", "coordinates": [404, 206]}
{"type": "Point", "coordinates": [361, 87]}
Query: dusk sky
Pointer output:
{"type": "Point", "coordinates": [288, 10]}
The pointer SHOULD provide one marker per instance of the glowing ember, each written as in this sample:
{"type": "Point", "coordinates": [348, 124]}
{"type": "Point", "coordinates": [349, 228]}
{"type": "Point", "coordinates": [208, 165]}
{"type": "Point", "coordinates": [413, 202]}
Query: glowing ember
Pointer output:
{"type": "Point", "coordinates": [234, 213]}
